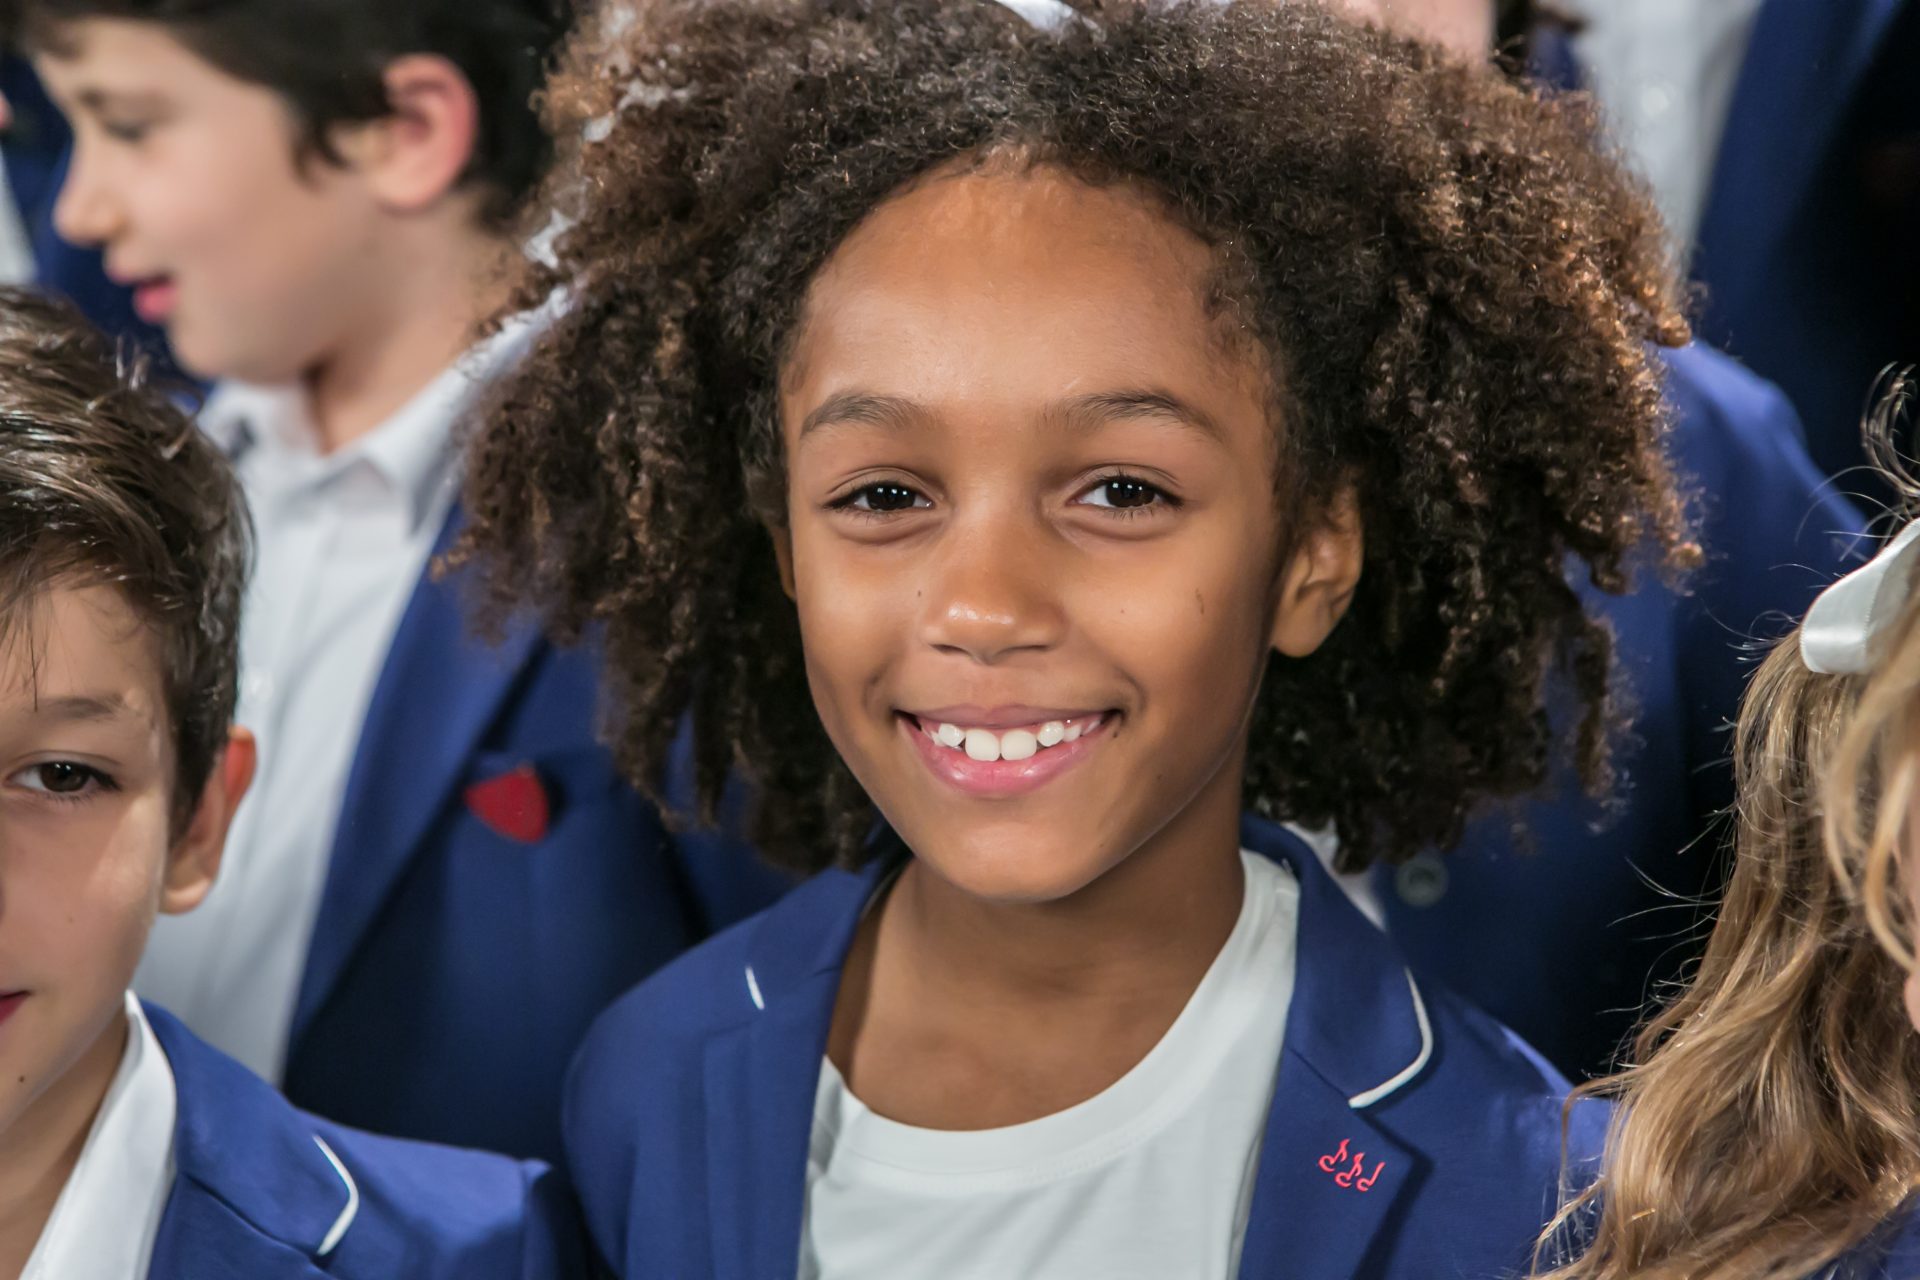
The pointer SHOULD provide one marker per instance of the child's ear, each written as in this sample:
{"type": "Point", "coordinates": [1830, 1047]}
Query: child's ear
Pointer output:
{"type": "Point", "coordinates": [418, 152]}
{"type": "Point", "coordinates": [194, 861]}
{"type": "Point", "coordinates": [1318, 584]}
{"type": "Point", "coordinates": [783, 555]}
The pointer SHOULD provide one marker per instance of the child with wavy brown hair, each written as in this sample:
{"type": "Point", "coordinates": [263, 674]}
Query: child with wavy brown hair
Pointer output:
{"type": "Point", "coordinates": [1770, 1127]}
{"type": "Point", "coordinates": [1055, 432]}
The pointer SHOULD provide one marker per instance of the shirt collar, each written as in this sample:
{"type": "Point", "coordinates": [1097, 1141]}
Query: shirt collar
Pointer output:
{"type": "Point", "coordinates": [103, 1225]}
{"type": "Point", "coordinates": [413, 450]}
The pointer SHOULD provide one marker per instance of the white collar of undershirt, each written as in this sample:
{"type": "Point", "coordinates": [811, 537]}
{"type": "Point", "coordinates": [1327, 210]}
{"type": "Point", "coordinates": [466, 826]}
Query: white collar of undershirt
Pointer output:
{"type": "Point", "coordinates": [104, 1223]}
{"type": "Point", "coordinates": [412, 450]}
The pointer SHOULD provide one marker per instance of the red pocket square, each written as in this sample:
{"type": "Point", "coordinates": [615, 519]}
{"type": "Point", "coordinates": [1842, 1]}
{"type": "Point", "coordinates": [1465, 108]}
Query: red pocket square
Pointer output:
{"type": "Point", "coordinates": [514, 804]}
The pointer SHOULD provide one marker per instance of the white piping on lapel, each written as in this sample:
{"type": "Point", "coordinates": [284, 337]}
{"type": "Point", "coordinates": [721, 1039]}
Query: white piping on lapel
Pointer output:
{"type": "Point", "coordinates": [345, 1220]}
{"type": "Point", "coordinates": [1401, 1079]}
{"type": "Point", "coordinates": [753, 989]}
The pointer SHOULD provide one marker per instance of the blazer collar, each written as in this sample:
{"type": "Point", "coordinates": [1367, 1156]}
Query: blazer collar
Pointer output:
{"type": "Point", "coordinates": [237, 1142]}
{"type": "Point", "coordinates": [1357, 1035]}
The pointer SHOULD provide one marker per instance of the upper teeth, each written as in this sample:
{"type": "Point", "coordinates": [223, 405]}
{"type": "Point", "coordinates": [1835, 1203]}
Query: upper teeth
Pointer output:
{"type": "Point", "coordinates": [987, 746]}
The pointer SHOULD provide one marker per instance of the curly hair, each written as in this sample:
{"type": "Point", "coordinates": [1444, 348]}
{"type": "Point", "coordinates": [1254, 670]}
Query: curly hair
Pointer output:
{"type": "Point", "coordinates": [1455, 287]}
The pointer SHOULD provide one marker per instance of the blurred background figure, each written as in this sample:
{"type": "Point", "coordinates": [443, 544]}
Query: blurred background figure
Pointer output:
{"type": "Point", "coordinates": [1598, 906]}
{"type": "Point", "coordinates": [1782, 141]}
{"type": "Point", "coordinates": [35, 145]}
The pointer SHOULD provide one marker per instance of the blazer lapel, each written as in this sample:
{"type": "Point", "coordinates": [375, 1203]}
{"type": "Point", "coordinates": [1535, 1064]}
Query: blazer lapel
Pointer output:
{"type": "Point", "coordinates": [254, 1195]}
{"type": "Point", "coordinates": [438, 694]}
{"type": "Point", "coordinates": [1357, 1034]}
{"type": "Point", "coordinates": [762, 1075]}
{"type": "Point", "coordinates": [1803, 64]}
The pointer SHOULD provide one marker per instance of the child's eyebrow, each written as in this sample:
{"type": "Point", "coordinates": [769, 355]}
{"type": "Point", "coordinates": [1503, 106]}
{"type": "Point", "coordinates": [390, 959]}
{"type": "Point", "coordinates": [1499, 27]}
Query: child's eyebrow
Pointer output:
{"type": "Point", "coordinates": [1081, 413]}
{"type": "Point", "coordinates": [98, 101]}
{"type": "Point", "coordinates": [85, 707]}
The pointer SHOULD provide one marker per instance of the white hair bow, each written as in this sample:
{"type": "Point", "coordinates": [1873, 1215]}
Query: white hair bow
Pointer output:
{"type": "Point", "coordinates": [1048, 15]}
{"type": "Point", "coordinates": [1844, 631]}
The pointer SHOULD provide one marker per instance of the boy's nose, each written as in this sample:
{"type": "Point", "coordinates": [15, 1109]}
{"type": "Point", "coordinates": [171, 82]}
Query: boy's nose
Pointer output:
{"type": "Point", "coordinates": [992, 595]}
{"type": "Point", "coordinates": [83, 214]}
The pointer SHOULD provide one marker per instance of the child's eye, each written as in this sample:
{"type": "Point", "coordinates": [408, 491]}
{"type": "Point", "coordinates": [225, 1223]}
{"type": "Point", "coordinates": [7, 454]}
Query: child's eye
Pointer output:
{"type": "Point", "coordinates": [62, 779]}
{"type": "Point", "coordinates": [131, 132]}
{"type": "Point", "coordinates": [883, 498]}
{"type": "Point", "coordinates": [1126, 493]}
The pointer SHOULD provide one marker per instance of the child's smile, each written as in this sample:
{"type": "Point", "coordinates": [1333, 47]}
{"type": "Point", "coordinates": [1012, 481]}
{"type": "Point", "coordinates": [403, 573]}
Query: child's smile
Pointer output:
{"type": "Point", "coordinates": [1006, 750]}
{"type": "Point", "coordinates": [1033, 533]}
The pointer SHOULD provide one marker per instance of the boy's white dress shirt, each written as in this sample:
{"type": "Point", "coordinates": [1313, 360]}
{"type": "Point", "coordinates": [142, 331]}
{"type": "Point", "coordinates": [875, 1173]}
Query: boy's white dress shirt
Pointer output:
{"type": "Point", "coordinates": [1665, 70]}
{"type": "Point", "coordinates": [104, 1224]}
{"type": "Point", "coordinates": [1149, 1179]}
{"type": "Point", "coordinates": [343, 539]}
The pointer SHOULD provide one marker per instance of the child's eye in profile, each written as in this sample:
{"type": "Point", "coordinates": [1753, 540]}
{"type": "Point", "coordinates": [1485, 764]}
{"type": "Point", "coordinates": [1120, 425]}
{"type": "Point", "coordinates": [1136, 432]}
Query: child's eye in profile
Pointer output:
{"type": "Point", "coordinates": [127, 131]}
{"type": "Point", "coordinates": [1126, 494]}
{"type": "Point", "coordinates": [883, 498]}
{"type": "Point", "coordinates": [61, 779]}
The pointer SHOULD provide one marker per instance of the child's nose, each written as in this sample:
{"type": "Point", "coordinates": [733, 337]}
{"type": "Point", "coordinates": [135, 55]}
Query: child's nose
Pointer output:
{"type": "Point", "coordinates": [83, 212]}
{"type": "Point", "coordinates": [992, 592]}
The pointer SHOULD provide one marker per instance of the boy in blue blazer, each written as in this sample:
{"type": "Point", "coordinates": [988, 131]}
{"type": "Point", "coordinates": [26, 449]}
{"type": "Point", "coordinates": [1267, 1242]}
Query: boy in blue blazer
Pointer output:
{"type": "Point", "coordinates": [438, 879]}
{"type": "Point", "coordinates": [133, 1150]}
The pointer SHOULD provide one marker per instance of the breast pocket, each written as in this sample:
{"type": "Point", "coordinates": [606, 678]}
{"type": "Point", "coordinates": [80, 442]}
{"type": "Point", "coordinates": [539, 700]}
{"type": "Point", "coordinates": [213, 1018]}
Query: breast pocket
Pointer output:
{"type": "Point", "coordinates": [523, 797]}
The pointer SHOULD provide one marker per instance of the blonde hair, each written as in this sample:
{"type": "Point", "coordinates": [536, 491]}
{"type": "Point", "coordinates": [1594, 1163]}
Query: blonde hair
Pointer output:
{"type": "Point", "coordinates": [1771, 1122]}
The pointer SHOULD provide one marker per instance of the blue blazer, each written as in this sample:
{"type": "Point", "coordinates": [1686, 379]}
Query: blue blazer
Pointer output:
{"type": "Point", "coordinates": [256, 1196]}
{"type": "Point", "coordinates": [1807, 256]}
{"type": "Point", "coordinates": [456, 966]}
{"type": "Point", "coordinates": [1566, 941]}
{"type": "Point", "coordinates": [689, 1109]}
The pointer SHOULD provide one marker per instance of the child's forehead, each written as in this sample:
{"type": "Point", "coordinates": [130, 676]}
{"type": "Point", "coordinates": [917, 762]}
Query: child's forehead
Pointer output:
{"type": "Point", "coordinates": [1072, 274]}
{"type": "Point", "coordinates": [86, 58]}
{"type": "Point", "coordinates": [79, 643]}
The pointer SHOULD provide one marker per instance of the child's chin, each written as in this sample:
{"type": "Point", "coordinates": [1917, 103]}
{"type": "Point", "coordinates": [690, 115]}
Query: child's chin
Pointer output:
{"type": "Point", "coordinates": [1014, 872]}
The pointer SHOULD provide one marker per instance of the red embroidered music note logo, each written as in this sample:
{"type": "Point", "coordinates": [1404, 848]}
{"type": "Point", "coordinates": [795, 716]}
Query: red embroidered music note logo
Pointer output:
{"type": "Point", "coordinates": [1354, 1175]}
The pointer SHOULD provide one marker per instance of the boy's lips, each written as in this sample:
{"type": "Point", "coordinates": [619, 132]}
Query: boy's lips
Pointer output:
{"type": "Point", "coordinates": [1026, 755]}
{"type": "Point", "coordinates": [155, 298]}
{"type": "Point", "coordinates": [9, 1002]}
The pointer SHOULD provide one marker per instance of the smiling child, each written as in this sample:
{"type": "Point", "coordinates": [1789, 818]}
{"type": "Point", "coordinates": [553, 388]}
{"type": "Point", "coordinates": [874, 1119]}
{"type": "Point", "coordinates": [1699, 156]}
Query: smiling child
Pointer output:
{"type": "Point", "coordinates": [1054, 440]}
{"type": "Point", "coordinates": [128, 1148]}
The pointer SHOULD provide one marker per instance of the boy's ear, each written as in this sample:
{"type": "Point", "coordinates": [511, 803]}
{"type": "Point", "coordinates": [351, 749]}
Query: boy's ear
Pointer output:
{"type": "Point", "coordinates": [194, 861]}
{"type": "Point", "coordinates": [1317, 586]}
{"type": "Point", "coordinates": [418, 151]}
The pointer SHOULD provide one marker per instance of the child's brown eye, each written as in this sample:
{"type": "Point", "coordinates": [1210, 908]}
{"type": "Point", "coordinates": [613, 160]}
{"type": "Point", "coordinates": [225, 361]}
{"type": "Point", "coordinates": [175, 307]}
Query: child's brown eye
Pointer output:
{"type": "Point", "coordinates": [1124, 493]}
{"type": "Point", "coordinates": [59, 778]}
{"type": "Point", "coordinates": [885, 496]}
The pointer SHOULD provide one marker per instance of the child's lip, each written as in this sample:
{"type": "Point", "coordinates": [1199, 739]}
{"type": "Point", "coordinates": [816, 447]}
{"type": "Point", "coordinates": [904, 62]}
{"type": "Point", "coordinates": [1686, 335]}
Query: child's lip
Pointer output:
{"type": "Point", "coordinates": [10, 1001]}
{"type": "Point", "coordinates": [1001, 718]}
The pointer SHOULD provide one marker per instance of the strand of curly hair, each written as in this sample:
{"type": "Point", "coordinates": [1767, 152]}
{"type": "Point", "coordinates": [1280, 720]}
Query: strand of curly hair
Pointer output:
{"type": "Point", "coordinates": [1456, 286]}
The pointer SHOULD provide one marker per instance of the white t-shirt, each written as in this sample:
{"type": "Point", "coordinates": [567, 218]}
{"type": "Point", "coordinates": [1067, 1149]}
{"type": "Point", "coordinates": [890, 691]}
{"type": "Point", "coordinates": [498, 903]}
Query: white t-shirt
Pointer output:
{"type": "Point", "coordinates": [1150, 1179]}
{"type": "Point", "coordinates": [108, 1215]}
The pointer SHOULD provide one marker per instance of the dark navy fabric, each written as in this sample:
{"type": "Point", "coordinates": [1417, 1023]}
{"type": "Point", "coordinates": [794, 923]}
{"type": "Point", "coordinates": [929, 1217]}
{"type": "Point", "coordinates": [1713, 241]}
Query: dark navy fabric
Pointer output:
{"type": "Point", "coordinates": [255, 1196]}
{"type": "Point", "coordinates": [453, 969]}
{"type": "Point", "coordinates": [1564, 942]}
{"type": "Point", "coordinates": [689, 1108]}
{"type": "Point", "coordinates": [1807, 247]}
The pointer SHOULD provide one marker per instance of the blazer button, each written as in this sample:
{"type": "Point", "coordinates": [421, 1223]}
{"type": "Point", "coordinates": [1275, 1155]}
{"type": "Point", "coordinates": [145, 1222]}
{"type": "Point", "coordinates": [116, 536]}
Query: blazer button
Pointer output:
{"type": "Point", "coordinates": [1421, 881]}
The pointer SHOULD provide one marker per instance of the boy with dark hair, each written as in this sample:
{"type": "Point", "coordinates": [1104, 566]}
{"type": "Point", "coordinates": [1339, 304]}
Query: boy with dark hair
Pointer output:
{"type": "Point", "coordinates": [440, 879]}
{"type": "Point", "coordinates": [129, 1148]}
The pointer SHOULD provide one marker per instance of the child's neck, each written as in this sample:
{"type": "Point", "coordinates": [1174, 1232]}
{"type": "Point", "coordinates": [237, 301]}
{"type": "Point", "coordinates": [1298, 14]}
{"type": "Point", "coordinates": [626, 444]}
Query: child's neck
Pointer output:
{"type": "Point", "coordinates": [426, 314]}
{"type": "Point", "coordinates": [959, 1013]}
{"type": "Point", "coordinates": [39, 1150]}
